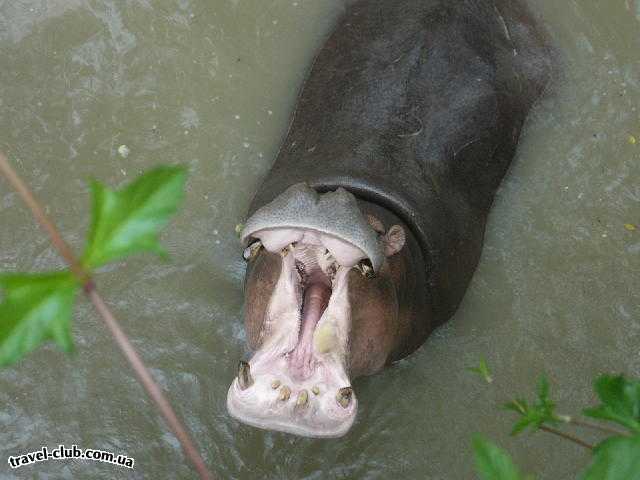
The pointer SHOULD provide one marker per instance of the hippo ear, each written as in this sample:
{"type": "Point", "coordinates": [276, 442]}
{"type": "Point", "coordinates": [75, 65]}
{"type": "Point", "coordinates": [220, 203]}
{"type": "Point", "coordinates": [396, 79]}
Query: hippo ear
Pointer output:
{"type": "Point", "coordinates": [393, 240]}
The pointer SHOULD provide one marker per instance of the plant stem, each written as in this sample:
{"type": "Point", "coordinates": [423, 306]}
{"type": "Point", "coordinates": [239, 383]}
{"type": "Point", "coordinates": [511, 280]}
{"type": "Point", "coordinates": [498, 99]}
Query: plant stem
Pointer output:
{"type": "Point", "coordinates": [147, 381]}
{"type": "Point", "coordinates": [121, 339]}
{"type": "Point", "coordinates": [38, 212]}
{"type": "Point", "coordinates": [597, 426]}
{"type": "Point", "coordinates": [567, 436]}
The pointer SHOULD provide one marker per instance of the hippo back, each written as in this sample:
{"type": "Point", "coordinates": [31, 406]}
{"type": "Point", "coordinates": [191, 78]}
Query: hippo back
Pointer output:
{"type": "Point", "coordinates": [417, 106]}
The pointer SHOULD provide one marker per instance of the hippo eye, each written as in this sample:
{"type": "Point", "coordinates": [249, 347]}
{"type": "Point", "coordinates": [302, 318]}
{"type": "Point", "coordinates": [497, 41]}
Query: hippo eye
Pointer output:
{"type": "Point", "coordinates": [251, 252]}
{"type": "Point", "coordinates": [365, 268]}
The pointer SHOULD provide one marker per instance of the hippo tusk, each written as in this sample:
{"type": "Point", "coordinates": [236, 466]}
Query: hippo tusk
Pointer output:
{"type": "Point", "coordinates": [344, 396]}
{"type": "Point", "coordinates": [245, 380]}
{"type": "Point", "coordinates": [252, 250]}
{"type": "Point", "coordinates": [365, 268]}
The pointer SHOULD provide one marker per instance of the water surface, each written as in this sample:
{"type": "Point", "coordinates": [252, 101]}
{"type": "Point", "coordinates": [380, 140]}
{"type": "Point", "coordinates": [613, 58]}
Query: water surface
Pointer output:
{"type": "Point", "coordinates": [211, 84]}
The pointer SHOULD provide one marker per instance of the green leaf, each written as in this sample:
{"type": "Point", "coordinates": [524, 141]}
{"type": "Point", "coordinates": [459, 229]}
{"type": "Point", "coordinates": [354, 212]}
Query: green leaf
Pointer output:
{"type": "Point", "coordinates": [620, 401]}
{"type": "Point", "coordinates": [129, 220]}
{"type": "Point", "coordinates": [533, 416]}
{"type": "Point", "coordinates": [36, 308]}
{"type": "Point", "coordinates": [493, 463]}
{"type": "Point", "coordinates": [482, 370]}
{"type": "Point", "coordinates": [617, 458]}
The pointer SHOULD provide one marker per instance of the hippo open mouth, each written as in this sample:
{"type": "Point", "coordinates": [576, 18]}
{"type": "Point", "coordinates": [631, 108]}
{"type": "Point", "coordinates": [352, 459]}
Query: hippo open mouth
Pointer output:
{"type": "Point", "coordinates": [298, 315]}
{"type": "Point", "coordinates": [297, 381]}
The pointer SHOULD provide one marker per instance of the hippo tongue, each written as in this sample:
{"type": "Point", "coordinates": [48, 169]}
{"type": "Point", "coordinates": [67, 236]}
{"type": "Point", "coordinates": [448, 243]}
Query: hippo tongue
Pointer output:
{"type": "Point", "coordinates": [316, 299]}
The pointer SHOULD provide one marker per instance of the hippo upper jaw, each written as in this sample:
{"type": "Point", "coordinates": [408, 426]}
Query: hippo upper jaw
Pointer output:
{"type": "Point", "coordinates": [297, 381]}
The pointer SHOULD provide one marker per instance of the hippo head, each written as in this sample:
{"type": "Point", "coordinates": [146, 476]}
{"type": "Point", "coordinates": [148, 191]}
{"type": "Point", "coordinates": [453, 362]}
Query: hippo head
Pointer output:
{"type": "Point", "coordinates": [312, 262]}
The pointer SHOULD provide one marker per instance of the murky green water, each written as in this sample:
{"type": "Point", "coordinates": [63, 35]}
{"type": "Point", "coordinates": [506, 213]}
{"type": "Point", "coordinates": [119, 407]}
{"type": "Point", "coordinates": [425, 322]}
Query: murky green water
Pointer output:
{"type": "Point", "coordinates": [211, 83]}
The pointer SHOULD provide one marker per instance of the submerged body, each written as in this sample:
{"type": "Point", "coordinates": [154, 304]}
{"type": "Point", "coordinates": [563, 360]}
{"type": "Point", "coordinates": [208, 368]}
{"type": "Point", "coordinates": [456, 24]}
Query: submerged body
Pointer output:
{"type": "Point", "coordinates": [367, 230]}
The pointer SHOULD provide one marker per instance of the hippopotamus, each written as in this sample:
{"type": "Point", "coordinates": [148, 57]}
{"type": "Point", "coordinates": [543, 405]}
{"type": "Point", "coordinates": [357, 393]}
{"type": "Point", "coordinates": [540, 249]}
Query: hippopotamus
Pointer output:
{"type": "Point", "coordinates": [365, 233]}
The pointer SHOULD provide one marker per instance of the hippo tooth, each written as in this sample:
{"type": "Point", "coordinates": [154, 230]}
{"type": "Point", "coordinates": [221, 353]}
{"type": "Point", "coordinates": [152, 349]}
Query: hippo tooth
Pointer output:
{"type": "Point", "coordinates": [315, 390]}
{"type": "Point", "coordinates": [252, 250]}
{"type": "Point", "coordinates": [344, 396]}
{"type": "Point", "coordinates": [303, 396]}
{"type": "Point", "coordinates": [366, 269]}
{"type": "Point", "coordinates": [289, 248]}
{"type": "Point", "coordinates": [275, 384]}
{"type": "Point", "coordinates": [245, 380]}
{"type": "Point", "coordinates": [285, 393]}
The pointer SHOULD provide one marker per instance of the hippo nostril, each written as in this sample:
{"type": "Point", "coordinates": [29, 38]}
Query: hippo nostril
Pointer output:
{"type": "Point", "coordinates": [245, 380]}
{"type": "Point", "coordinates": [285, 393]}
{"type": "Point", "coordinates": [344, 395]}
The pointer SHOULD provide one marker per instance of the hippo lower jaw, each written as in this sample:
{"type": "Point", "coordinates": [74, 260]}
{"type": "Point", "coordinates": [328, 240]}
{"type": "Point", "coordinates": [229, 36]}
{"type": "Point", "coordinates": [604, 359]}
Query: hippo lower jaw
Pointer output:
{"type": "Point", "coordinates": [275, 400]}
{"type": "Point", "coordinates": [297, 381]}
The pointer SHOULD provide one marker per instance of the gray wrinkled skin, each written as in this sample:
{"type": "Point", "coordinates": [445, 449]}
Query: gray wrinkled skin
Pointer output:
{"type": "Point", "coordinates": [335, 213]}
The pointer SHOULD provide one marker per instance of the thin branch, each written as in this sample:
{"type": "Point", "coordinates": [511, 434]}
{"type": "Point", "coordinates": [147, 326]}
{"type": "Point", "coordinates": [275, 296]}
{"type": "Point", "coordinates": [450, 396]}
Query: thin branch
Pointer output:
{"type": "Point", "coordinates": [567, 436]}
{"type": "Point", "coordinates": [596, 426]}
{"type": "Point", "coordinates": [149, 384]}
{"type": "Point", "coordinates": [38, 212]}
{"type": "Point", "coordinates": [119, 336]}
